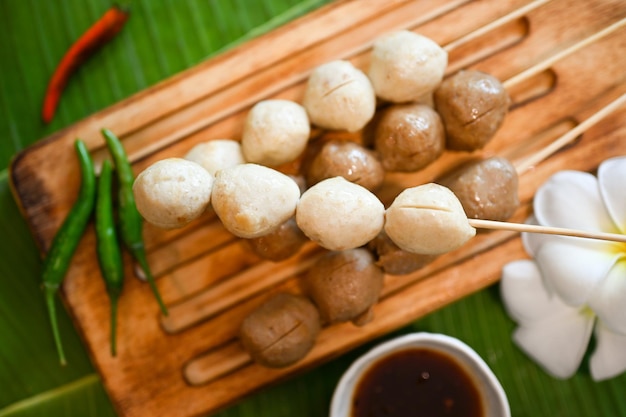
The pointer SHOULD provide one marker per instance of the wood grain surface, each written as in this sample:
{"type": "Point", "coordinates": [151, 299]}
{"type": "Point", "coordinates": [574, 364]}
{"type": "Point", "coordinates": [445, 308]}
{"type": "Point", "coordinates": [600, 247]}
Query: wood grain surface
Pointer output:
{"type": "Point", "coordinates": [190, 363]}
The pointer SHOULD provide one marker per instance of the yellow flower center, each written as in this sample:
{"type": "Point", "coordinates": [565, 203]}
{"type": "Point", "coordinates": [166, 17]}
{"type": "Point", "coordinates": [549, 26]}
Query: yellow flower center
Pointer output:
{"type": "Point", "coordinates": [587, 312]}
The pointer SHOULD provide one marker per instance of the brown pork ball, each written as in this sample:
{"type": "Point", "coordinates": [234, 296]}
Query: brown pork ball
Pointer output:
{"type": "Point", "coordinates": [282, 243]}
{"type": "Point", "coordinates": [487, 188]}
{"type": "Point", "coordinates": [395, 261]}
{"type": "Point", "coordinates": [347, 159]}
{"type": "Point", "coordinates": [409, 137]}
{"type": "Point", "coordinates": [472, 105]}
{"type": "Point", "coordinates": [280, 331]}
{"type": "Point", "coordinates": [345, 285]}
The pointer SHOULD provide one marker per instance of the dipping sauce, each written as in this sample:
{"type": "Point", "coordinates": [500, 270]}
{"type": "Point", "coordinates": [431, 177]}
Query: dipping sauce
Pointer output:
{"type": "Point", "coordinates": [417, 382]}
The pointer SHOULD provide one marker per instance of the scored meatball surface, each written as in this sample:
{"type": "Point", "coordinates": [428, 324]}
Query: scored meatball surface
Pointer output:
{"type": "Point", "coordinates": [427, 219]}
{"type": "Point", "coordinates": [472, 106]}
{"type": "Point", "coordinates": [339, 96]}
{"type": "Point", "coordinates": [487, 188]}
{"type": "Point", "coordinates": [280, 331]}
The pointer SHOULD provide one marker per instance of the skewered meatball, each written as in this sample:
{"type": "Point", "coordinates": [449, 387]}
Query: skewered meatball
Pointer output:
{"type": "Point", "coordinates": [338, 214]}
{"type": "Point", "coordinates": [427, 219]}
{"type": "Point", "coordinates": [343, 158]}
{"type": "Point", "coordinates": [172, 192]}
{"type": "Point", "coordinates": [396, 261]}
{"type": "Point", "coordinates": [216, 154]}
{"type": "Point", "coordinates": [406, 66]}
{"type": "Point", "coordinates": [339, 96]}
{"type": "Point", "coordinates": [409, 137]}
{"type": "Point", "coordinates": [487, 188]}
{"type": "Point", "coordinates": [472, 105]}
{"type": "Point", "coordinates": [345, 285]}
{"type": "Point", "coordinates": [252, 200]}
{"type": "Point", "coordinates": [275, 132]}
{"type": "Point", "coordinates": [279, 244]}
{"type": "Point", "coordinates": [281, 331]}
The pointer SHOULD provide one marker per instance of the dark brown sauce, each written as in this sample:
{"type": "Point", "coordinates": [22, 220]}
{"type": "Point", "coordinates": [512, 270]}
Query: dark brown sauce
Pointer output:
{"type": "Point", "coordinates": [416, 382]}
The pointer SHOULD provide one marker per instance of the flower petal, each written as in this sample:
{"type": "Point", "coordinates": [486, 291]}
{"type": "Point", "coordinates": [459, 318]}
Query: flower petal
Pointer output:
{"type": "Point", "coordinates": [609, 357]}
{"type": "Point", "coordinates": [557, 343]}
{"type": "Point", "coordinates": [525, 297]}
{"type": "Point", "coordinates": [573, 270]}
{"type": "Point", "coordinates": [611, 176]}
{"type": "Point", "coordinates": [608, 301]}
{"type": "Point", "coordinates": [571, 199]}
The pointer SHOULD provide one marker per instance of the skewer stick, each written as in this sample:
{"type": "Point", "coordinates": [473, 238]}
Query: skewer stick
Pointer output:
{"type": "Point", "coordinates": [529, 228]}
{"type": "Point", "coordinates": [522, 11]}
{"type": "Point", "coordinates": [547, 63]}
{"type": "Point", "coordinates": [559, 142]}
{"type": "Point", "coordinates": [540, 156]}
{"type": "Point", "coordinates": [570, 135]}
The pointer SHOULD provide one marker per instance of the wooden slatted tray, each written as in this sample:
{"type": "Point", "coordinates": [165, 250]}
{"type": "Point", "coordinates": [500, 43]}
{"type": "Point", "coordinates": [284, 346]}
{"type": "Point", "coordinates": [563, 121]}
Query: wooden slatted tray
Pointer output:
{"type": "Point", "coordinates": [190, 363]}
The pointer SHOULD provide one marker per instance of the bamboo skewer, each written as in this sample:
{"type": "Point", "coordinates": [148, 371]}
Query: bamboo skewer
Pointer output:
{"type": "Point", "coordinates": [529, 228]}
{"type": "Point", "coordinates": [570, 135]}
{"type": "Point", "coordinates": [547, 63]}
{"type": "Point", "coordinates": [540, 156]}
{"type": "Point", "coordinates": [495, 24]}
{"type": "Point", "coordinates": [557, 143]}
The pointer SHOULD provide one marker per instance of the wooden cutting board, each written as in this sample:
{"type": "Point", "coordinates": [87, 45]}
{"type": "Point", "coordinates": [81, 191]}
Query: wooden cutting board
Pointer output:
{"type": "Point", "coordinates": [190, 363]}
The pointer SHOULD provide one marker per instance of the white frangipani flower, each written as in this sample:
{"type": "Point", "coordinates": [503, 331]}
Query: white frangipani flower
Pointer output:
{"type": "Point", "coordinates": [573, 284]}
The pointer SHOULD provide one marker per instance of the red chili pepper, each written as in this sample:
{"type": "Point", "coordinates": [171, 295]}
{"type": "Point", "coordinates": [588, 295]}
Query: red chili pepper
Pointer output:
{"type": "Point", "coordinates": [96, 36]}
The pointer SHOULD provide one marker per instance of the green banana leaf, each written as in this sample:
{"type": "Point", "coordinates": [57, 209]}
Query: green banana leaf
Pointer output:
{"type": "Point", "coordinates": [162, 38]}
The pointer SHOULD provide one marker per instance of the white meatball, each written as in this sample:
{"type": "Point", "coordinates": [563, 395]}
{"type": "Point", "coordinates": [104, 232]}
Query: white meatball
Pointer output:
{"type": "Point", "coordinates": [339, 96]}
{"type": "Point", "coordinates": [216, 154]}
{"type": "Point", "coordinates": [275, 132]}
{"type": "Point", "coordinates": [339, 214]}
{"type": "Point", "coordinates": [405, 66]}
{"type": "Point", "coordinates": [172, 192]}
{"type": "Point", "coordinates": [427, 219]}
{"type": "Point", "coordinates": [252, 200]}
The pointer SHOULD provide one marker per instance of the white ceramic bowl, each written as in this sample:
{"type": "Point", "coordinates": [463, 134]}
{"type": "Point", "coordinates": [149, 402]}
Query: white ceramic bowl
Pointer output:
{"type": "Point", "coordinates": [494, 399]}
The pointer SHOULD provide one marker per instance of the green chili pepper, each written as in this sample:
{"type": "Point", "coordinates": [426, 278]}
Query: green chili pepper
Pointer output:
{"type": "Point", "coordinates": [131, 222]}
{"type": "Point", "coordinates": [108, 248]}
{"type": "Point", "coordinates": [66, 240]}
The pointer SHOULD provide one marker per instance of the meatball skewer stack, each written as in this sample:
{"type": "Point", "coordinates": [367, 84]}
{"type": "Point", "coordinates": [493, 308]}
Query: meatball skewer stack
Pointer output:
{"type": "Point", "coordinates": [254, 200]}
